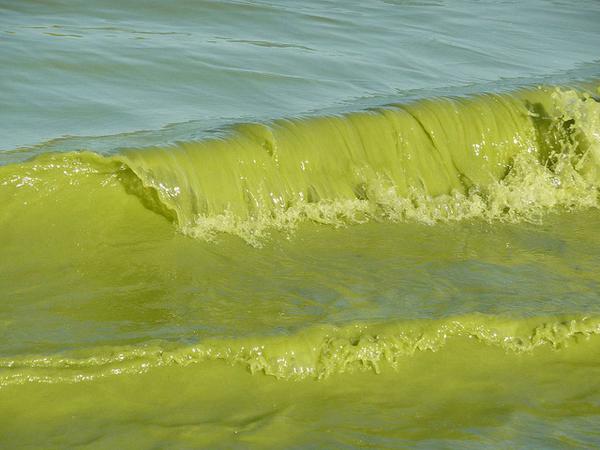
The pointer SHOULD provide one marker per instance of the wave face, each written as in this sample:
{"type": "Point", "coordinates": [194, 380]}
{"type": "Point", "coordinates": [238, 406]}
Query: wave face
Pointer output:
{"type": "Point", "coordinates": [495, 157]}
{"type": "Point", "coordinates": [491, 156]}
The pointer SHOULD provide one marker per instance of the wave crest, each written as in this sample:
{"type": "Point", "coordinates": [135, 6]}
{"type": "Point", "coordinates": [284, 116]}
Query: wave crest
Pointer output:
{"type": "Point", "coordinates": [494, 157]}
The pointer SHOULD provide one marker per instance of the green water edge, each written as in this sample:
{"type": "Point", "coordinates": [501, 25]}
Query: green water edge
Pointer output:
{"type": "Point", "coordinates": [449, 317]}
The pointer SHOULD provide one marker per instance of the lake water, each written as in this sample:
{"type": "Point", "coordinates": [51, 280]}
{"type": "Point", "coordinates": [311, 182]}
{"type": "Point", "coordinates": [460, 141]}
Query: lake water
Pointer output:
{"type": "Point", "coordinates": [267, 224]}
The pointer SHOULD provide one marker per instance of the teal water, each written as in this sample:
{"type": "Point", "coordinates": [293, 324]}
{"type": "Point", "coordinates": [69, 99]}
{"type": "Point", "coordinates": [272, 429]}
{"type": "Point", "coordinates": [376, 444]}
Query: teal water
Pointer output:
{"type": "Point", "coordinates": [169, 72]}
{"type": "Point", "coordinates": [315, 224]}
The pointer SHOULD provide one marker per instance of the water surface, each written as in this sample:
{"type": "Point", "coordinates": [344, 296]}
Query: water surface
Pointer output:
{"type": "Point", "coordinates": [319, 224]}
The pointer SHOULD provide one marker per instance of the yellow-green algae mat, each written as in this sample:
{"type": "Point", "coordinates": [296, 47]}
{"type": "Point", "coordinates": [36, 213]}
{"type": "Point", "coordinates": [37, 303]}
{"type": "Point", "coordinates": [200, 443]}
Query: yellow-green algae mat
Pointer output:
{"type": "Point", "coordinates": [415, 275]}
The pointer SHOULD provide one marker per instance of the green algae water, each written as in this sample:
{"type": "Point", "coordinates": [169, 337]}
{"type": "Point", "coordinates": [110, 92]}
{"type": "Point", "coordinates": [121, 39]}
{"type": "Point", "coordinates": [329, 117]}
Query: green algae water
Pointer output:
{"type": "Point", "coordinates": [265, 224]}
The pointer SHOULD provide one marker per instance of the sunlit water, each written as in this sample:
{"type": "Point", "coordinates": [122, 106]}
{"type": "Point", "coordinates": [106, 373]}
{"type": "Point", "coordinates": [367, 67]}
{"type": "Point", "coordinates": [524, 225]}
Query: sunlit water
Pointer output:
{"type": "Point", "coordinates": [299, 224]}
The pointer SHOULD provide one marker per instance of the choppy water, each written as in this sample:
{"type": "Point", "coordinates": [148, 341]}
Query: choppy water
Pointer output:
{"type": "Point", "coordinates": [310, 224]}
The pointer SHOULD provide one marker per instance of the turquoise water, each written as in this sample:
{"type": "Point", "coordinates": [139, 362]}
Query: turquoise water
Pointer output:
{"type": "Point", "coordinates": [316, 224]}
{"type": "Point", "coordinates": [167, 72]}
